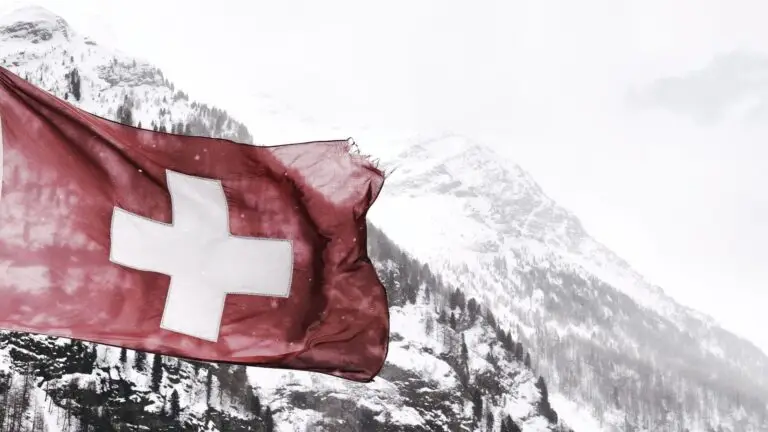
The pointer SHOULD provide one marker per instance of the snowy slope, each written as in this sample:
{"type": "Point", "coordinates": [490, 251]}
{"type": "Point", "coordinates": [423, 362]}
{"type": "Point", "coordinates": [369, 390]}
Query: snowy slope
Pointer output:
{"type": "Point", "coordinates": [503, 208]}
{"type": "Point", "coordinates": [483, 221]}
{"type": "Point", "coordinates": [447, 369]}
{"type": "Point", "coordinates": [41, 46]}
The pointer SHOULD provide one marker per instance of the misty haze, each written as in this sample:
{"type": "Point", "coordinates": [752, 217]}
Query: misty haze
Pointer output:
{"type": "Point", "coordinates": [572, 232]}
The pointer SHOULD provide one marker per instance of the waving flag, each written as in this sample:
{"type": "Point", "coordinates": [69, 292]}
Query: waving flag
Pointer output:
{"type": "Point", "coordinates": [186, 246]}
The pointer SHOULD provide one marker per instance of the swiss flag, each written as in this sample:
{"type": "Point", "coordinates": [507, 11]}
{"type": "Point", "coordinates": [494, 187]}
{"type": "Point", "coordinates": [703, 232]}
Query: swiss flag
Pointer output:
{"type": "Point", "coordinates": [186, 246]}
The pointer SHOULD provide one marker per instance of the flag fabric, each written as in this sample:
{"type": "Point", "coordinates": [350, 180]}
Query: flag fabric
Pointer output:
{"type": "Point", "coordinates": [186, 246]}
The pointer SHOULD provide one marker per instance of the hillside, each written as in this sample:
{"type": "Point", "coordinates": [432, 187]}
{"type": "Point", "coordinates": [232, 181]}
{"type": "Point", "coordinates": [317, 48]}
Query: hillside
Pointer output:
{"type": "Point", "coordinates": [612, 345]}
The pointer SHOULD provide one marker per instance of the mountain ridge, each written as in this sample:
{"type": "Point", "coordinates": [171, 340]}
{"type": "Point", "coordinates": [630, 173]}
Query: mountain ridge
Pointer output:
{"type": "Point", "coordinates": [458, 144]}
{"type": "Point", "coordinates": [471, 184]}
{"type": "Point", "coordinates": [484, 157]}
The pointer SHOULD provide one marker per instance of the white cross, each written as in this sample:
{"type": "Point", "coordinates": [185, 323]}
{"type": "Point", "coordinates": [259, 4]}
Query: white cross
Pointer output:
{"type": "Point", "coordinates": [204, 260]}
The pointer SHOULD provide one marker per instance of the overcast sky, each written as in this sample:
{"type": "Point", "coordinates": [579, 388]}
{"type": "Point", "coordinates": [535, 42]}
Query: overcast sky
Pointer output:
{"type": "Point", "coordinates": [675, 189]}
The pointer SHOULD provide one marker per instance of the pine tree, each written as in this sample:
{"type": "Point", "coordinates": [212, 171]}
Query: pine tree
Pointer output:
{"type": "Point", "coordinates": [462, 300]}
{"type": "Point", "coordinates": [411, 292]}
{"type": "Point", "coordinates": [457, 300]}
{"type": "Point", "coordinates": [489, 420]}
{"type": "Point", "coordinates": [519, 351]}
{"type": "Point", "coordinates": [472, 309]}
{"type": "Point", "coordinates": [464, 351]}
{"type": "Point", "coordinates": [125, 112]}
{"type": "Point", "coordinates": [509, 344]}
{"type": "Point", "coordinates": [491, 359]}
{"type": "Point", "coordinates": [542, 386]}
{"type": "Point", "coordinates": [527, 361]}
{"type": "Point", "coordinates": [509, 425]}
{"type": "Point", "coordinates": [208, 384]}
{"type": "Point", "coordinates": [91, 358]}
{"type": "Point", "coordinates": [175, 405]}
{"type": "Point", "coordinates": [615, 397]}
{"type": "Point", "coordinates": [477, 403]}
{"type": "Point", "coordinates": [491, 319]}
{"type": "Point", "coordinates": [429, 324]}
{"type": "Point", "coordinates": [239, 374]}
{"type": "Point", "coordinates": [140, 361]}
{"type": "Point", "coordinates": [443, 317]}
{"type": "Point", "coordinates": [123, 356]}
{"type": "Point", "coordinates": [5, 386]}
{"type": "Point", "coordinates": [38, 423]}
{"type": "Point", "coordinates": [269, 422]}
{"type": "Point", "coordinates": [73, 82]}
{"type": "Point", "coordinates": [544, 405]}
{"type": "Point", "coordinates": [157, 372]}
{"type": "Point", "coordinates": [253, 402]}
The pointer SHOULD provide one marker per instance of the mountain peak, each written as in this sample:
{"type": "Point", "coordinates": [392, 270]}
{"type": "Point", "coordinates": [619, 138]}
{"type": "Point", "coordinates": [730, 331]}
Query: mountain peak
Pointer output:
{"type": "Point", "coordinates": [33, 24]}
{"type": "Point", "coordinates": [467, 198]}
{"type": "Point", "coordinates": [457, 160]}
{"type": "Point", "coordinates": [447, 145]}
{"type": "Point", "coordinates": [491, 190]}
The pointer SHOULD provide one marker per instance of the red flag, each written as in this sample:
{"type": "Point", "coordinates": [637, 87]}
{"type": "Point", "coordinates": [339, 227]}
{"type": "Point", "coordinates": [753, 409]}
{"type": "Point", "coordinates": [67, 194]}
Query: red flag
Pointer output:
{"type": "Point", "coordinates": [186, 246]}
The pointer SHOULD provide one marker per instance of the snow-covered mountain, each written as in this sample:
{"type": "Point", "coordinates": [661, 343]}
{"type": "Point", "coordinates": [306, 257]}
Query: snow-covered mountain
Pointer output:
{"type": "Point", "coordinates": [608, 341]}
{"type": "Point", "coordinates": [503, 209]}
{"type": "Point", "coordinates": [451, 366]}
{"type": "Point", "coordinates": [40, 47]}
{"type": "Point", "coordinates": [513, 287]}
